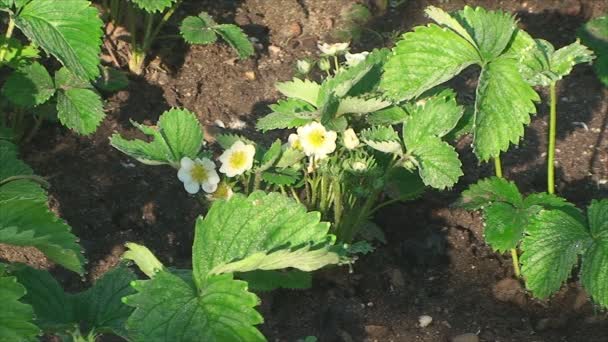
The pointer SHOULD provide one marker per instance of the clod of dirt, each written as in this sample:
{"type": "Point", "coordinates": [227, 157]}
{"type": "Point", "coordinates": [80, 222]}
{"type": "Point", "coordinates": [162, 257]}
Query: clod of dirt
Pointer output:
{"type": "Point", "coordinates": [397, 279]}
{"type": "Point", "coordinates": [580, 300]}
{"type": "Point", "coordinates": [468, 337]}
{"type": "Point", "coordinates": [376, 331]}
{"type": "Point", "coordinates": [509, 290]}
{"type": "Point", "coordinates": [425, 320]}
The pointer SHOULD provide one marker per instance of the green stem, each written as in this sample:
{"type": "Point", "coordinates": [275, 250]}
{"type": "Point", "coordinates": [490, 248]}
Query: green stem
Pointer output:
{"type": "Point", "coordinates": [33, 178]}
{"type": "Point", "coordinates": [148, 39]}
{"type": "Point", "coordinates": [295, 195]}
{"type": "Point", "coordinates": [551, 148]}
{"type": "Point", "coordinates": [514, 256]}
{"type": "Point", "coordinates": [384, 204]}
{"type": "Point", "coordinates": [338, 205]}
{"type": "Point", "coordinates": [7, 35]}
{"type": "Point", "coordinates": [165, 18]}
{"type": "Point", "coordinates": [336, 65]}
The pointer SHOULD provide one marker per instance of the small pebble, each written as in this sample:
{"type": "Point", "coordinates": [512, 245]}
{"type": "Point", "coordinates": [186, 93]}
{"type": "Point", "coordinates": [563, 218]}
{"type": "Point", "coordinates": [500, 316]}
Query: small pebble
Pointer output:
{"type": "Point", "coordinates": [425, 320]}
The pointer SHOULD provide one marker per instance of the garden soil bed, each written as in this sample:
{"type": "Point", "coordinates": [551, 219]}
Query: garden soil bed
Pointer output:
{"type": "Point", "coordinates": [435, 262]}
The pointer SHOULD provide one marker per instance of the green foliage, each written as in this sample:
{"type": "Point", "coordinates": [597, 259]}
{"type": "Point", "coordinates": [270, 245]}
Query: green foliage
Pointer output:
{"type": "Point", "coordinates": [227, 140]}
{"type": "Point", "coordinates": [261, 231]}
{"type": "Point", "coordinates": [111, 80]}
{"type": "Point", "coordinates": [177, 134]}
{"type": "Point", "coordinates": [153, 5]}
{"type": "Point", "coordinates": [595, 35]}
{"type": "Point", "coordinates": [70, 32]}
{"type": "Point", "coordinates": [15, 317]}
{"type": "Point", "coordinates": [288, 113]}
{"type": "Point", "coordinates": [555, 239]}
{"type": "Point", "coordinates": [79, 107]}
{"type": "Point", "coordinates": [12, 166]}
{"type": "Point", "coordinates": [431, 55]}
{"type": "Point", "coordinates": [304, 90]}
{"type": "Point", "coordinates": [96, 310]}
{"type": "Point", "coordinates": [29, 86]}
{"type": "Point", "coordinates": [16, 54]}
{"type": "Point", "coordinates": [507, 215]}
{"type": "Point", "coordinates": [437, 161]}
{"type": "Point", "coordinates": [145, 260]}
{"type": "Point", "coordinates": [202, 29]}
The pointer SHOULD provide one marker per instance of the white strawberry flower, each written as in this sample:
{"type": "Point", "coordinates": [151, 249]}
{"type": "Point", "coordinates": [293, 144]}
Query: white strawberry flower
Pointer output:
{"type": "Point", "coordinates": [353, 59]}
{"type": "Point", "coordinates": [333, 49]}
{"type": "Point", "coordinates": [197, 174]}
{"type": "Point", "coordinates": [303, 66]}
{"type": "Point", "coordinates": [316, 140]}
{"type": "Point", "coordinates": [294, 141]}
{"type": "Point", "coordinates": [237, 159]}
{"type": "Point", "coordinates": [350, 140]}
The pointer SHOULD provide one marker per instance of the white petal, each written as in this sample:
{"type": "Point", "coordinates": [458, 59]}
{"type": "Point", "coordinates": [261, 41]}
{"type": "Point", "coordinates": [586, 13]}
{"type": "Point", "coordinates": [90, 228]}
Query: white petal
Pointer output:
{"type": "Point", "coordinates": [213, 177]}
{"type": "Point", "coordinates": [209, 187]}
{"type": "Point", "coordinates": [207, 164]}
{"type": "Point", "coordinates": [192, 187]}
{"type": "Point", "coordinates": [186, 163]}
{"type": "Point", "coordinates": [184, 175]}
{"type": "Point", "coordinates": [237, 145]}
{"type": "Point", "coordinates": [224, 157]}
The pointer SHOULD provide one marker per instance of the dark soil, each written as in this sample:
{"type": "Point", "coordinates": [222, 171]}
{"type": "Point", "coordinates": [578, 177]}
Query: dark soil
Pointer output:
{"type": "Point", "coordinates": [436, 262]}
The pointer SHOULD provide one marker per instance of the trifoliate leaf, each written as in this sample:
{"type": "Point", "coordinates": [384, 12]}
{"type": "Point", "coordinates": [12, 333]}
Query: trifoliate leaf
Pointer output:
{"type": "Point", "coordinates": [358, 105]}
{"type": "Point", "coordinates": [199, 29]}
{"type": "Point", "coordinates": [153, 5]}
{"type": "Point", "coordinates": [79, 107]}
{"type": "Point", "coordinates": [438, 163]}
{"type": "Point", "coordinates": [70, 32]}
{"type": "Point", "coordinates": [27, 222]}
{"type": "Point", "coordinates": [171, 308]}
{"type": "Point", "coordinates": [491, 30]}
{"type": "Point", "coordinates": [143, 258]}
{"type": "Point", "coordinates": [271, 156]}
{"type": "Point", "coordinates": [307, 258]}
{"type": "Point", "coordinates": [236, 38]}
{"type": "Point", "coordinates": [424, 58]}
{"type": "Point", "coordinates": [15, 317]}
{"type": "Point", "coordinates": [288, 113]}
{"type": "Point", "coordinates": [488, 191]}
{"type": "Point", "coordinates": [112, 80]}
{"type": "Point", "coordinates": [11, 166]}
{"type": "Point", "coordinates": [227, 140]}
{"type": "Point", "coordinates": [389, 116]}
{"type": "Point", "coordinates": [595, 35]}
{"type": "Point", "coordinates": [272, 280]}
{"type": "Point", "coordinates": [550, 249]}
{"type": "Point", "coordinates": [255, 224]}
{"type": "Point", "coordinates": [177, 134]}
{"type": "Point", "coordinates": [503, 106]}
{"type": "Point", "coordinates": [564, 59]}
{"type": "Point", "coordinates": [433, 116]}
{"type": "Point", "coordinates": [304, 90]}
{"type": "Point", "coordinates": [29, 86]}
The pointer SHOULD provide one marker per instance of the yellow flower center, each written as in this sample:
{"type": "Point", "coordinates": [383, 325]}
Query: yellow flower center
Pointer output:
{"type": "Point", "coordinates": [237, 160]}
{"type": "Point", "coordinates": [199, 173]}
{"type": "Point", "coordinates": [316, 138]}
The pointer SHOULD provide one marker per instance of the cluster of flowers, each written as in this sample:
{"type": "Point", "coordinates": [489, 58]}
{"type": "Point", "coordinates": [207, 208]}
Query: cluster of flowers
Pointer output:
{"type": "Point", "coordinates": [313, 139]}
{"type": "Point", "coordinates": [329, 50]}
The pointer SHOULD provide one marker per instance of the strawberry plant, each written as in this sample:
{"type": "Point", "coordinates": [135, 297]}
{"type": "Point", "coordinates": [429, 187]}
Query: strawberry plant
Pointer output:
{"type": "Point", "coordinates": [154, 14]}
{"type": "Point", "coordinates": [71, 33]}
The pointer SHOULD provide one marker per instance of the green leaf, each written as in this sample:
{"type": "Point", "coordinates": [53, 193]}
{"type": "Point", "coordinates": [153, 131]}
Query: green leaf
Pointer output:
{"type": "Point", "coordinates": [358, 105]}
{"type": "Point", "coordinates": [15, 317]}
{"type": "Point", "coordinates": [272, 280]}
{"type": "Point", "coordinates": [491, 30]}
{"type": "Point", "coordinates": [438, 163]}
{"type": "Point", "coordinates": [153, 5]}
{"type": "Point", "coordinates": [598, 218]}
{"type": "Point", "coordinates": [143, 258]}
{"type": "Point", "coordinates": [79, 107]}
{"type": "Point", "coordinates": [70, 32]}
{"type": "Point", "coordinates": [595, 35]}
{"type": "Point", "coordinates": [503, 106]}
{"type": "Point", "coordinates": [255, 224]}
{"type": "Point", "coordinates": [112, 79]}
{"type": "Point", "coordinates": [29, 86]}
{"type": "Point", "coordinates": [443, 18]}
{"type": "Point", "coordinates": [307, 258]}
{"type": "Point", "coordinates": [488, 191]}
{"type": "Point", "coordinates": [464, 126]}
{"type": "Point", "coordinates": [504, 225]}
{"type": "Point", "coordinates": [288, 113]}
{"type": "Point", "coordinates": [290, 157]}
{"type": "Point", "coordinates": [532, 57]}
{"type": "Point", "coordinates": [11, 166]}
{"type": "Point", "coordinates": [170, 308]}
{"type": "Point", "coordinates": [177, 134]}
{"type": "Point", "coordinates": [271, 156]}
{"type": "Point", "coordinates": [424, 58]}
{"type": "Point", "coordinates": [199, 29]}
{"type": "Point", "coordinates": [564, 59]}
{"type": "Point", "coordinates": [281, 177]}
{"type": "Point", "coordinates": [27, 222]}
{"type": "Point", "coordinates": [403, 185]}
{"type": "Point", "coordinates": [304, 90]}
{"type": "Point", "coordinates": [227, 140]}
{"type": "Point", "coordinates": [236, 38]}
{"type": "Point", "coordinates": [594, 272]}
{"type": "Point", "coordinates": [434, 116]}
{"type": "Point", "coordinates": [16, 55]}
{"type": "Point", "coordinates": [382, 138]}
{"type": "Point", "coordinates": [389, 116]}
{"type": "Point", "coordinates": [550, 250]}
